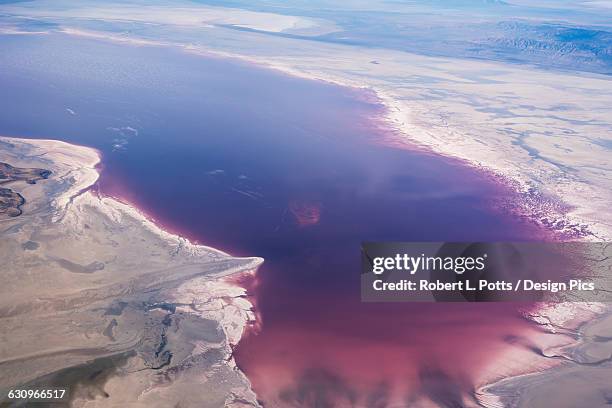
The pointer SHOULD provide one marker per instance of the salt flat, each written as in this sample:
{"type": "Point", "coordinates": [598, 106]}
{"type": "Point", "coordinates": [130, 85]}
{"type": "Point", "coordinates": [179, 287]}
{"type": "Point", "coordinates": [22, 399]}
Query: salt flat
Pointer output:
{"type": "Point", "coordinates": [108, 292]}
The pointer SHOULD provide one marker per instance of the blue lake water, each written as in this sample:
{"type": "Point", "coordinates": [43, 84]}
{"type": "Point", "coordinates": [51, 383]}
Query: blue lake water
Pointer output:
{"type": "Point", "coordinates": [255, 162]}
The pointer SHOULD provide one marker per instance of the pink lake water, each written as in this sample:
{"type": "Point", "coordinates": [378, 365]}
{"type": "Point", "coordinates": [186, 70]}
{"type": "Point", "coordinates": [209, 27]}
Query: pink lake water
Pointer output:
{"type": "Point", "coordinates": [262, 164]}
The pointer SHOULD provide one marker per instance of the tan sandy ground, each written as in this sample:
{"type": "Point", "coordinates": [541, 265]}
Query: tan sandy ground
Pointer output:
{"type": "Point", "coordinates": [98, 299]}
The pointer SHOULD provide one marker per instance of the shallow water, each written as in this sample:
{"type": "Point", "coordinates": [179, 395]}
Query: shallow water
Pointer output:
{"type": "Point", "coordinates": [259, 163]}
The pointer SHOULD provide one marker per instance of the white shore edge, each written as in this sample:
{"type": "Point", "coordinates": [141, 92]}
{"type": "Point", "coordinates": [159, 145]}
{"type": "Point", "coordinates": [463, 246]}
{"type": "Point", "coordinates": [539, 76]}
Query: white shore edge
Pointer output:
{"type": "Point", "coordinates": [226, 302]}
{"type": "Point", "coordinates": [396, 118]}
{"type": "Point", "coordinates": [396, 114]}
{"type": "Point", "coordinates": [86, 175]}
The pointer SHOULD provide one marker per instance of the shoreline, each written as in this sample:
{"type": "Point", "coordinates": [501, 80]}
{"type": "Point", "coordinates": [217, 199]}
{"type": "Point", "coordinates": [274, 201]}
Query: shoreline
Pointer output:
{"type": "Point", "coordinates": [580, 353]}
{"type": "Point", "coordinates": [198, 296]}
{"type": "Point", "coordinates": [91, 177]}
{"type": "Point", "coordinates": [534, 204]}
{"type": "Point", "coordinates": [552, 210]}
{"type": "Point", "coordinates": [91, 173]}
